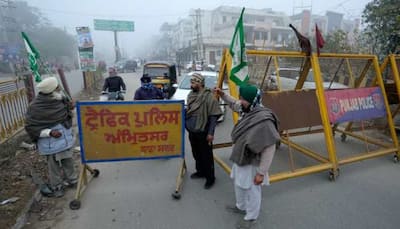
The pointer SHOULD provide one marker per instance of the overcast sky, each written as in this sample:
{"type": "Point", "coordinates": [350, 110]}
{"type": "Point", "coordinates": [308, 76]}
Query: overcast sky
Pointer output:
{"type": "Point", "coordinates": [148, 15]}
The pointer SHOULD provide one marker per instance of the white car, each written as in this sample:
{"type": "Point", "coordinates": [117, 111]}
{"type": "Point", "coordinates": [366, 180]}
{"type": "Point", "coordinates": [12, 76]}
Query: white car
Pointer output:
{"type": "Point", "coordinates": [289, 76]}
{"type": "Point", "coordinates": [198, 65]}
{"type": "Point", "coordinates": [210, 79]}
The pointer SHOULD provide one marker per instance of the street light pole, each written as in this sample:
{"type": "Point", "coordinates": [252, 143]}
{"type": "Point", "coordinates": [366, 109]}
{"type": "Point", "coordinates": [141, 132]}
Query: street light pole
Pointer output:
{"type": "Point", "coordinates": [117, 54]}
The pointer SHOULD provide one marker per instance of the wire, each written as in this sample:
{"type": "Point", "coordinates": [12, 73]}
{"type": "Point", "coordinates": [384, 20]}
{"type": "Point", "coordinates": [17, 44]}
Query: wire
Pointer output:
{"type": "Point", "coordinates": [110, 15]}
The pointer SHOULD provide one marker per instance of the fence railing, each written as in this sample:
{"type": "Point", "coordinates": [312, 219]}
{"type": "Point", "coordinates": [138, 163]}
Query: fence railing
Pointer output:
{"type": "Point", "coordinates": [15, 96]}
{"type": "Point", "coordinates": [13, 105]}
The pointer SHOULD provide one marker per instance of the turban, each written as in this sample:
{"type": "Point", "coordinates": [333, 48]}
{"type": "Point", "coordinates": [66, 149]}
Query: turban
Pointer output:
{"type": "Point", "coordinates": [198, 78]}
{"type": "Point", "coordinates": [248, 92]}
{"type": "Point", "coordinates": [48, 85]}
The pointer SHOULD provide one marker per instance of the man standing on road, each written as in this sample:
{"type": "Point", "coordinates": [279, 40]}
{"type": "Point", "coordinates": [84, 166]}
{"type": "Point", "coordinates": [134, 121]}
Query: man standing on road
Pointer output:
{"type": "Point", "coordinates": [114, 83]}
{"type": "Point", "coordinates": [254, 138]}
{"type": "Point", "coordinates": [49, 124]}
{"type": "Point", "coordinates": [201, 118]}
{"type": "Point", "coordinates": [147, 91]}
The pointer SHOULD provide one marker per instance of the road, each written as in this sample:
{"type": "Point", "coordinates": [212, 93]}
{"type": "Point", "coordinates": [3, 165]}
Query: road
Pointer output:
{"type": "Point", "coordinates": [137, 194]}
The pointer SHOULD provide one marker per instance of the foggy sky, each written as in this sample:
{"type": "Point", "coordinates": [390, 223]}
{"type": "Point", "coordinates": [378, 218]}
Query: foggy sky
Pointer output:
{"type": "Point", "coordinates": [148, 15]}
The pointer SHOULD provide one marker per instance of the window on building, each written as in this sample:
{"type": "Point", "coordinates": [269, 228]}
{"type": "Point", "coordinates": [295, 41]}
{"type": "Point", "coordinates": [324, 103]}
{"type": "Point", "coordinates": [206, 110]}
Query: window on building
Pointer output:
{"type": "Point", "coordinates": [223, 19]}
{"type": "Point", "coordinates": [248, 37]}
{"type": "Point", "coordinates": [260, 18]}
{"type": "Point", "coordinates": [260, 35]}
{"type": "Point", "coordinates": [279, 38]}
{"type": "Point", "coordinates": [249, 20]}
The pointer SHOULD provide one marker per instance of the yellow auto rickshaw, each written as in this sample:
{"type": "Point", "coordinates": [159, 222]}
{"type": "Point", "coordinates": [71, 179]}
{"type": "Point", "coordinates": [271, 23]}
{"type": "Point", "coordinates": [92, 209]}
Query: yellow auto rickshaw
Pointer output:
{"type": "Point", "coordinates": [163, 76]}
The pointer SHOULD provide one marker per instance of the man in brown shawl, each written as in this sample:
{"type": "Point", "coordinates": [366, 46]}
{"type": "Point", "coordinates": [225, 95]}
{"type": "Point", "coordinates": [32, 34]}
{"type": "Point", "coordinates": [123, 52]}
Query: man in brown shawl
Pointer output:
{"type": "Point", "coordinates": [49, 124]}
{"type": "Point", "coordinates": [254, 138]}
{"type": "Point", "coordinates": [201, 118]}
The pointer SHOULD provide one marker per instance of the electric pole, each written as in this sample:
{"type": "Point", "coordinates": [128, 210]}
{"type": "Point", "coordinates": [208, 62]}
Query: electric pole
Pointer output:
{"type": "Point", "coordinates": [199, 35]}
{"type": "Point", "coordinates": [117, 51]}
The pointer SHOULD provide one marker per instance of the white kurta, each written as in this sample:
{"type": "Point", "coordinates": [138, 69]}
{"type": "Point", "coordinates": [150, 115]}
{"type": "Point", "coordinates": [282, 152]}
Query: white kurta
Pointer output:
{"type": "Point", "coordinates": [248, 195]}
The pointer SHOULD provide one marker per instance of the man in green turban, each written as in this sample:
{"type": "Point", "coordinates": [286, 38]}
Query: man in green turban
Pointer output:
{"type": "Point", "coordinates": [254, 137]}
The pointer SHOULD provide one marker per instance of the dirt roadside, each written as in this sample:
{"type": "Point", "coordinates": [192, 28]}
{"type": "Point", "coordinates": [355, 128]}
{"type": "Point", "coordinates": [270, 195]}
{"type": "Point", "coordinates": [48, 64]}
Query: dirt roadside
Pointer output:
{"type": "Point", "coordinates": [22, 170]}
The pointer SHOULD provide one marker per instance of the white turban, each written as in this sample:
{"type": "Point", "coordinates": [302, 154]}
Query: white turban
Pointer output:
{"type": "Point", "coordinates": [48, 85]}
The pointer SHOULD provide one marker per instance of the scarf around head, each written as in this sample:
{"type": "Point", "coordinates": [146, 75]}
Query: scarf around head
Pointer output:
{"type": "Point", "coordinates": [202, 104]}
{"type": "Point", "coordinates": [45, 112]}
{"type": "Point", "coordinates": [255, 131]}
{"type": "Point", "coordinates": [147, 86]}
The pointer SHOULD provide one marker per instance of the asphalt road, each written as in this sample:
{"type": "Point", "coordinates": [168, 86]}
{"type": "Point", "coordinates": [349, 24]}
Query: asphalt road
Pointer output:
{"type": "Point", "coordinates": [137, 194]}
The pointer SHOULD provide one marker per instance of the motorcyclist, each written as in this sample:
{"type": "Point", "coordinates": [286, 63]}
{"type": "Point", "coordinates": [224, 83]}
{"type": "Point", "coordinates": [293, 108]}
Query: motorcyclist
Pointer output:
{"type": "Point", "coordinates": [147, 91]}
{"type": "Point", "coordinates": [114, 83]}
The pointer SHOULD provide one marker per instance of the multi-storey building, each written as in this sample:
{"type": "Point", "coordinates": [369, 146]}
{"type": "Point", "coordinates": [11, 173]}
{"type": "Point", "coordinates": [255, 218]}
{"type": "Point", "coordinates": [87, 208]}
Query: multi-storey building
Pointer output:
{"type": "Point", "coordinates": [204, 34]}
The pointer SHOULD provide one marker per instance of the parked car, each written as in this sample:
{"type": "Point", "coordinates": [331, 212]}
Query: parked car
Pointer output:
{"type": "Point", "coordinates": [126, 66]}
{"type": "Point", "coordinates": [210, 80]}
{"type": "Point", "coordinates": [130, 66]}
{"type": "Point", "coordinates": [289, 76]}
{"type": "Point", "coordinates": [119, 65]}
{"type": "Point", "coordinates": [194, 66]}
{"type": "Point", "coordinates": [189, 66]}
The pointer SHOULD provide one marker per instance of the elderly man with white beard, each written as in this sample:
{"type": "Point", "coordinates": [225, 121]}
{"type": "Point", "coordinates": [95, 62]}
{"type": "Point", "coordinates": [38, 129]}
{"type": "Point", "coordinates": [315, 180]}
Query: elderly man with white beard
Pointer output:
{"type": "Point", "coordinates": [49, 124]}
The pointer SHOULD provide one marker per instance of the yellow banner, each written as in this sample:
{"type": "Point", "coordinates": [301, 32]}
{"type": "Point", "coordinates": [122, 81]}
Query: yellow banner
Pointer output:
{"type": "Point", "coordinates": [111, 131]}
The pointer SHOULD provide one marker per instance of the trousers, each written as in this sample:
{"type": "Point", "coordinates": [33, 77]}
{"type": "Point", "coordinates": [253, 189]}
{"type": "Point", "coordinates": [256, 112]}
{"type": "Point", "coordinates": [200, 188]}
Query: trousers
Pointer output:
{"type": "Point", "coordinates": [249, 200]}
{"type": "Point", "coordinates": [60, 170]}
{"type": "Point", "coordinates": [203, 155]}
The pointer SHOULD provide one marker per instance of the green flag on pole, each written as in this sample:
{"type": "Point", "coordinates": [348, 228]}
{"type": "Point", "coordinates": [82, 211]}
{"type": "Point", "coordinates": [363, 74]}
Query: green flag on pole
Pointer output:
{"type": "Point", "coordinates": [239, 72]}
{"type": "Point", "coordinates": [33, 57]}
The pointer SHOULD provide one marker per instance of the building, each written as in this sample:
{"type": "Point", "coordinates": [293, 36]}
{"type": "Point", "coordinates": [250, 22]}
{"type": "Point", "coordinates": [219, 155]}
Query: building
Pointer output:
{"type": "Point", "coordinates": [205, 33]}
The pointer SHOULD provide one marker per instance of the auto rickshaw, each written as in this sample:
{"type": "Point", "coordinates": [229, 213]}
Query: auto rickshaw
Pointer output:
{"type": "Point", "coordinates": [163, 76]}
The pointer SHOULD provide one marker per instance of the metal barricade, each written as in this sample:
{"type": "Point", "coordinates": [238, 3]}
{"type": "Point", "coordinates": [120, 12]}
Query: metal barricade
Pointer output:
{"type": "Point", "coordinates": [327, 95]}
{"type": "Point", "coordinates": [13, 105]}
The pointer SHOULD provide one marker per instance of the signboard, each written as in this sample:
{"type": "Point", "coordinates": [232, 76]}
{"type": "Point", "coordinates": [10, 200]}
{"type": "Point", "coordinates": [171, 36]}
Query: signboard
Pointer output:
{"type": "Point", "coordinates": [131, 130]}
{"type": "Point", "coordinates": [355, 104]}
{"type": "Point", "coordinates": [85, 48]}
{"type": "Point", "coordinates": [84, 37]}
{"type": "Point", "coordinates": [87, 60]}
{"type": "Point", "coordinates": [113, 25]}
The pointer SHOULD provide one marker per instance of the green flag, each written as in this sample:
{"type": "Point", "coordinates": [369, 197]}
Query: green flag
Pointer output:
{"type": "Point", "coordinates": [33, 57]}
{"type": "Point", "coordinates": [239, 72]}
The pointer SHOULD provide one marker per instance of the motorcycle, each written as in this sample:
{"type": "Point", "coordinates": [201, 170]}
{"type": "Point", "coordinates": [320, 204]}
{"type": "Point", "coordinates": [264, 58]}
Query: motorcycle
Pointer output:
{"type": "Point", "coordinates": [110, 96]}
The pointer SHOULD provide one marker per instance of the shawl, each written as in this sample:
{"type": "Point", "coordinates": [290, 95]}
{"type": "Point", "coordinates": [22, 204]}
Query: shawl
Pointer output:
{"type": "Point", "coordinates": [202, 104]}
{"type": "Point", "coordinates": [255, 131]}
{"type": "Point", "coordinates": [45, 112]}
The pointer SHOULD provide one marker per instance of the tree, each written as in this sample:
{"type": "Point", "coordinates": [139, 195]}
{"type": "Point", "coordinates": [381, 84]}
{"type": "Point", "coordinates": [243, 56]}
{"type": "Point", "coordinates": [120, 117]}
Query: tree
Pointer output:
{"type": "Point", "coordinates": [54, 42]}
{"type": "Point", "coordinates": [337, 42]}
{"type": "Point", "coordinates": [382, 18]}
{"type": "Point", "coordinates": [51, 42]}
{"type": "Point", "coordinates": [360, 43]}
